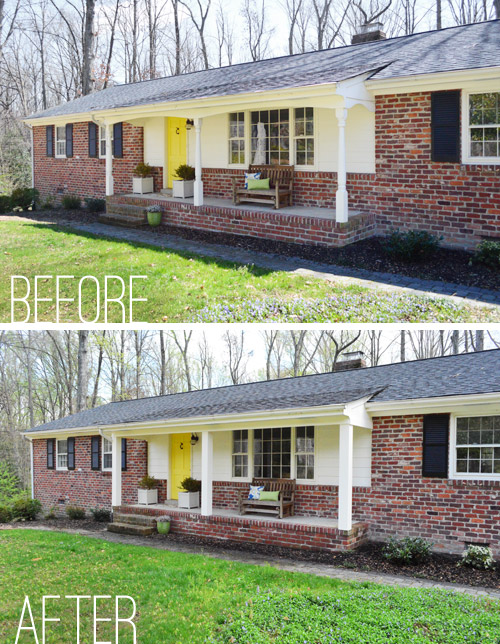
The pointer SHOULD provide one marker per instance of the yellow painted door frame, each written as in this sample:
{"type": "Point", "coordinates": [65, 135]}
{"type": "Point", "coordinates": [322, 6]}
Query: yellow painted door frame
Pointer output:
{"type": "Point", "coordinates": [176, 146]}
{"type": "Point", "coordinates": [180, 461]}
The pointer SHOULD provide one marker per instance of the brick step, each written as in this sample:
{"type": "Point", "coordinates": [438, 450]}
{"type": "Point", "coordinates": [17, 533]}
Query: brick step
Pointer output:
{"type": "Point", "coordinates": [126, 209]}
{"type": "Point", "coordinates": [121, 220]}
{"type": "Point", "coordinates": [129, 528]}
{"type": "Point", "coordinates": [134, 519]}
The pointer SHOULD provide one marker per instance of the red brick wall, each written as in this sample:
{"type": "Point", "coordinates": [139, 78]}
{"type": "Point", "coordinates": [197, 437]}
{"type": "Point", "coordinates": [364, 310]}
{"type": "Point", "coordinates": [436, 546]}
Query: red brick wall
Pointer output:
{"type": "Point", "coordinates": [83, 486]}
{"type": "Point", "coordinates": [85, 176]}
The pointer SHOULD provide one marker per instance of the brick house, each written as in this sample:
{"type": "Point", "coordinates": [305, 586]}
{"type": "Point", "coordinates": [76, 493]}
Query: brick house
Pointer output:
{"type": "Point", "coordinates": [390, 133]}
{"type": "Point", "coordinates": [402, 449]}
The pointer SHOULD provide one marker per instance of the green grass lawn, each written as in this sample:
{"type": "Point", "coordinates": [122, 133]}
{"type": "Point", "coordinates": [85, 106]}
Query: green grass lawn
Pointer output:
{"type": "Point", "coordinates": [181, 287]}
{"type": "Point", "coordinates": [190, 599]}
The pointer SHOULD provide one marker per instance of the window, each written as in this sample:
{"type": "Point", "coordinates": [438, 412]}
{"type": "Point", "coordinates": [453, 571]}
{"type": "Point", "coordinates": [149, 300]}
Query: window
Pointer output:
{"type": "Point", "coordinates": [270, 137]}
{"type": "Point", "coordinates": [272, 453]}
{"type": "Point", "coordinates": [62, 454]}
{"type": "Point", "coordinates": [304, 452]}
{"type": "Point", "coordinates": [477, 446]}
{"type": "Point", "coordinates": [107, 454]}
{"type": "Point", "coordinates": [240, 453]}
{"type": "Point", "coordinates": [304, 136]}
{"type": "Point", "coordinates": [61, 141]}
{"type": "Point", "coordinates": [484, 126]}
{"type": "Point", "coordinates": [237, 138]}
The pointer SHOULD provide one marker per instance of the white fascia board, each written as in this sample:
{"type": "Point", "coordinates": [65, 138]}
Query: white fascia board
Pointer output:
{"type": "Point", "coordinates": [324, 93]}
{"type": "Point", "coordinates": [432, 82]}
{"type": "Point", "coordinates": [490, 403]}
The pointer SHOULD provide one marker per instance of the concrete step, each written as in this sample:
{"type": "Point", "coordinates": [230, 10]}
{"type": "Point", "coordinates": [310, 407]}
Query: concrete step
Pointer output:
{"type": "Point", "coordinates": [128, 528]}
{"type": "Point", "coordinates": [135, 519]}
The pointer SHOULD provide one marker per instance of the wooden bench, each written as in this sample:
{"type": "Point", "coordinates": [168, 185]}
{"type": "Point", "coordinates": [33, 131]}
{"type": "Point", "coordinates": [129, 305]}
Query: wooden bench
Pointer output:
{"type": "Point", "coordinates": [284, 506]}
{"type": "Point", "coordinates": [280, 181]}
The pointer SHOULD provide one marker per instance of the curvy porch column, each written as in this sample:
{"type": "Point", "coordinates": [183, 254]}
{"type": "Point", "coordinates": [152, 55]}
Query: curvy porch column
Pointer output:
{"type": "Point", "coordinates": [109, 160]}
{"type": "Point", "coordinates": [198, 183]}
{"type": "Point", "coordinates": [207, 458]}
{"type": "Point", "coordinates": [116, 471]}
{"type": "Point", "coordinates": [342, 207]}
{"type": "Point", "coordinates": [345, 476]}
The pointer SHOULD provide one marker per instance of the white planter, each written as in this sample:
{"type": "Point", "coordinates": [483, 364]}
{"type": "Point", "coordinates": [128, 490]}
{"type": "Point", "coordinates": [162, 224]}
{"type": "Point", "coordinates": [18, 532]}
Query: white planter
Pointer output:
{"type": "Point", "coordinates": [189, 500]}
{"type": "Point", "coordinates": [142, 186]}
{"type": "Point", "coordinates": [147, 497]}
{"type": "Point", "coordinates": [183, 189]}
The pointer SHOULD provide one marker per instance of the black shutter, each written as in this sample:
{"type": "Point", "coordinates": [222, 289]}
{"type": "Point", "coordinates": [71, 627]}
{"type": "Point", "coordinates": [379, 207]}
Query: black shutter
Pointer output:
{"type": "Point", "coordinates": [93, 145]}
{"type": "Point", "coordinates": [118, 140]}
{"type": "Point", "coordinates": [71, 453]}
{"type": "Point", "coordinates": [435, 447]}
{"type": "Point", "coordinates": [124, 454]}
{"type": "Point", "coordinates": [51, 448]}
{"type": "Point", "coordinates": [69, 139]}
{"type": "Point", "coordinates": [49, 130]}
{"type": "Point", "coordinates": [95, 453]}
{"type": "Point", "coordinates": [445, 125]}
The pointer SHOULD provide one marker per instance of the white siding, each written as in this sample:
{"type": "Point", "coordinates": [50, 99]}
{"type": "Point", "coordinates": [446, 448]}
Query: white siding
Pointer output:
{"type": "Point", "coordinates": [222, 457]}
{"type": "Point", "coordinates": [158, 456]}
{"type": "Point", "coordinates": [154, 141]}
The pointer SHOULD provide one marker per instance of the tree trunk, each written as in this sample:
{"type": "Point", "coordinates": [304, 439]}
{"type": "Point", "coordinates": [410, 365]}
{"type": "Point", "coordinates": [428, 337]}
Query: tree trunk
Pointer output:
{"type": "Point", "coordinates": [455, 342]}
{"type": "Point", "coordinates": [99, 369]}
{"type": "Point", "coordinates": [439, 15]}
{"type": "Point", "coordinates": [83, 370]}
{"type": "Point", "coordinates": [88, 47]}
{"type": "Point", "coordinates": [402, 347]}
{"type": "Point", "coordinates": [163, 365]}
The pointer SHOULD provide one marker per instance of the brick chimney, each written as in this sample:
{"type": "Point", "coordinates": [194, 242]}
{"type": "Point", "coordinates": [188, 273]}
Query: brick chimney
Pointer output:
{"type": "Point", "coordinates": [351, 360]}
{"type": "Point", "coordinates": [368, 33]}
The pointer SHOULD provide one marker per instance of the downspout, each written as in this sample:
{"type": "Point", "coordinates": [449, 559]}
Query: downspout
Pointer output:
{"type": "Point", "coordinates": [32, 468]}
{"type": "Point", "coordinates": [32, 156]}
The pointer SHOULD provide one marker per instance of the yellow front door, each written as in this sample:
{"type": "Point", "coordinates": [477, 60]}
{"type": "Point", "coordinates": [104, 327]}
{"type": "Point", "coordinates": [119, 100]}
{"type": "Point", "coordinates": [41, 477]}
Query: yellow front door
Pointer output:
{"type": "Point", "coordinates": [180, 461]}
{"type": "Point", "coordinates": [176, 146]}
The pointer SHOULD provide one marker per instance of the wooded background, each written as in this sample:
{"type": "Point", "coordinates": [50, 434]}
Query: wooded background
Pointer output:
{"type": "Point", "coordinates": [45, 375]}
{"type": "Point", "coordinates": [55, 50]}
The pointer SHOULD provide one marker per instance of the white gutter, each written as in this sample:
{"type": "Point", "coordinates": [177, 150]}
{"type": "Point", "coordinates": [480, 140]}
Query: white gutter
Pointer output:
{"type": "Point", "coordinates": [416, 81]}
{"type": "Point", "coordinates": [377, 408]}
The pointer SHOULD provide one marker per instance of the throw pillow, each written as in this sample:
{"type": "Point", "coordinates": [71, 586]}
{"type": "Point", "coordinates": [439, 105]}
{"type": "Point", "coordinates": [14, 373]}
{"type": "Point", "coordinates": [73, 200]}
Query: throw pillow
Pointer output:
{"type": "Point", "coordinates": [255, 492]}
{"type": "Point", "coordinates": [270, 496]}
{"type": "Point", "coordinates": [251, 175]}
{"type": "Point", "coordinates": [258, 184]}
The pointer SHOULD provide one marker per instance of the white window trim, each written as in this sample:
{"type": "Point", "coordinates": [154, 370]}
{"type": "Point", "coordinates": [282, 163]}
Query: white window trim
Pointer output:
{"type": "Point", "coordinates": [60, 156]}
{"type": "Point", "coordinates": [305, 168]}
{"type": "Point", "coordinates": [102, 137]}
{"type": "Point", "coordinates": [452, 461]}
{"type": "Point", "coordinates": [106, 469]}
{"type": "Point", "coordinates": [243, 165]}
{"type": "Point", "coordinates": [467, 159]}
{"type": "Point", "coordinates": [58, 440]}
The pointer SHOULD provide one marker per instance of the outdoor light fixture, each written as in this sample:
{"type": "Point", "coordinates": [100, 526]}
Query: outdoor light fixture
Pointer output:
{"type": "Point", "coordinates": [194, 439]}
{"type": "Point", "coordinates": [189, 124]}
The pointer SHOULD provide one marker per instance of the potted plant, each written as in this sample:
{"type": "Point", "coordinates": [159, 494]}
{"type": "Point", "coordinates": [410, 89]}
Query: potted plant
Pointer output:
{"type": "Point", "coordinates": [163, 524]}
{"type": "Point", "coordinates": [147, 493]}
{"type": "Point", "coordinates": [189, 497]}
{"type": "Point", "coordinates": [183, 186]}
{"type": "Point", "coordinates": [143, 181]}
{"type": "Point", "coordinates": [154, 215]}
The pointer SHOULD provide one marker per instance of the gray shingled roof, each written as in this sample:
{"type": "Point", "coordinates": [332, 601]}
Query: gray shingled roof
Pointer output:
{"type": "Point", "coordinates": [457, 48]}
{"type": "Point", "coordinates": [472, 373]}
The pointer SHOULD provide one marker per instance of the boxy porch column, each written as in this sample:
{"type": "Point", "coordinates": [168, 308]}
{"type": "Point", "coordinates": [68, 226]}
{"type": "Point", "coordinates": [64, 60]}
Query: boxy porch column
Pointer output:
{"type": "Point", "coordinates": [207, 459]}
{"type": "Point", "coordinates": [345, 476]}
{"type": "Point", "coordinates": [342, 207]}
{"type": "Point", "coordinates": [109, 160]}
{"type": "Point", "coordinates": [198, 183]}
{"type": "Point", "coordinates": [116, 471]}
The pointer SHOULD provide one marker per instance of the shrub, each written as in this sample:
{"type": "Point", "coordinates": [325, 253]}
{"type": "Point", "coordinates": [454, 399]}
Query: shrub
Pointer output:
{"type": "Point", "coordinates": [75, 513]}
{"type": "Point", "coordinates": [48, 203]}
{"type": "Point", "coordinates": [5, 514]}
{"type": "Point", "coordinates": [101, 515]}
{"type": "Point", "coordinates": [413, 245]}
{"type": "Point", "coordinates": [148, 483]}
{"type": "Point", "coordinates": [488, 253]}
{"type": "Point", "coordinates": [24, 198]}
{"type": "Point", "coordinates": [479, 557]}
{"type": "Point", "coordinates": [185, 172]}
{"type": "Point", "coordinates": [95, 205]}
{"type": "Point", "coordinates": [143, 170]}
{"type": "Point", "coordinates": [10, 486]}
{"type": "Point", "coordinates": [410, 550]}
{"type": "Point", "coordinates": [51, 514]}
{"type": "Point", "coordinates": [25, 508]}
{"type": "Point", "coordinates": [190, 485]}
{"type": "Point", "coordinates": [71, 202]}
{"type": "Point", "coordinates": [5, 204]}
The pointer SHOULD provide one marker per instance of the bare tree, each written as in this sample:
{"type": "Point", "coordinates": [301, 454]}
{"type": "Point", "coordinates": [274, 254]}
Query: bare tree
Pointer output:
{"type": "Point", "coordinates": [183, 347]}
{"type": "Point", "coordinates": [256, 28]}
{"type": "Point", "coordinates": [402, 346]}
{"type": "Point", "coordinates": [293, 10]}
{"type": "Point", "coordinates": [439, 15]}
{"type": "Point", "coordinates": [83, 370]}
{"type": "Point", "coordinates": [88, 47]}
{"type": "Point", "coordinates": [225, 37]}
{"type": "Point", "coordinates": [200, 23]}
{"type": "Point", "coordinates": [237, 359]}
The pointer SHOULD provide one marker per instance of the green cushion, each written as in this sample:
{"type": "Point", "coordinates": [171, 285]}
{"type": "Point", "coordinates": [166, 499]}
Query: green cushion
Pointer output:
{"type": "Point", "coordinates": [258, 184]}
{"type": "Point", "coordinates": [269, 496]}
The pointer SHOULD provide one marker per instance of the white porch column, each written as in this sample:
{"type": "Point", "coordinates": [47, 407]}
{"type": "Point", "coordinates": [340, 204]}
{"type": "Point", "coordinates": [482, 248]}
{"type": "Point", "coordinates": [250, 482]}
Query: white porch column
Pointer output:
{"type": "Point", "coordinates": [198, 183]}
{"type": "Point", "coordinates": [116, 471]}
{"type": "Point", "coordinates": [345, 476]}
{"type": "Point", "coordinates": [342, 207]}
{"type": "Point", "coordinates": [207, 452]}
{"type": "Point", "coordinates": [109, 160]}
